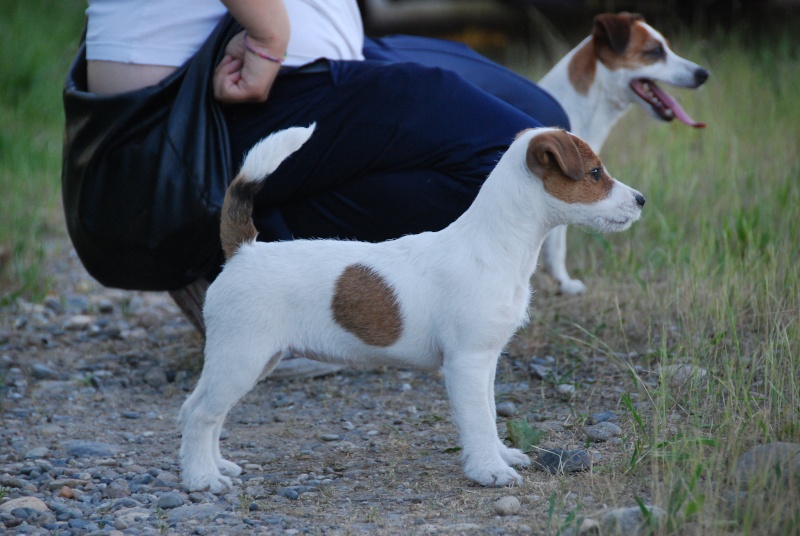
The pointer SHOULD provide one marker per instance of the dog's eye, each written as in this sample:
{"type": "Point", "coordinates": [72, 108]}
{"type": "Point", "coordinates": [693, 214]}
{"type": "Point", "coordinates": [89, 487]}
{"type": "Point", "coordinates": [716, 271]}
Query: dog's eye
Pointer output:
{"type": "Point", "coordinates": [656, 53]}
{"type": "Point", "coordinates": [596, 173]}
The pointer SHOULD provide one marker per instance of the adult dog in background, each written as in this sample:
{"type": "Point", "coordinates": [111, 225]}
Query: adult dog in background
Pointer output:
{"type": "Point", "coordinates": [598, 81]}
{"type": "Point", "coordinates": [446, 300]}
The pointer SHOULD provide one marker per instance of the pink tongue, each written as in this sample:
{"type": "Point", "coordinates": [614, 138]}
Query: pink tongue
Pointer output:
{"type": "Point", "coordinates": [673, 105]}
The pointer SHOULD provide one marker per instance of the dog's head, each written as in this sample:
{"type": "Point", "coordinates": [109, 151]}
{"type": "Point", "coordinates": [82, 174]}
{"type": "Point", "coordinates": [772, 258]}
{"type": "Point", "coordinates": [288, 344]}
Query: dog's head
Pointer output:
{"type": "Point", "coordinates": [578, 187]}
{"type": "Point", "coordinates": [638, 56]}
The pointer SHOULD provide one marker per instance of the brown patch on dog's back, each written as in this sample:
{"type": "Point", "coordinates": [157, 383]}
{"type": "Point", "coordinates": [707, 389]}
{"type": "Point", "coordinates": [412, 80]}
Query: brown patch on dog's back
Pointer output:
{"type": "Point", "coordinates": [565, 163]}
{"type": "Point", "coordinates": [365, 305]}
{"type": "Point", "coordinates": [582, 67]}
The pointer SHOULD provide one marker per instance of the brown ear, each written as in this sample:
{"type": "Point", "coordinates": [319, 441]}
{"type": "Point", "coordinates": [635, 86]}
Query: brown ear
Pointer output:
{"type": "Point", "coordinates": [614, 30]}
{"type": "Point", "coordinates": [555, 150]}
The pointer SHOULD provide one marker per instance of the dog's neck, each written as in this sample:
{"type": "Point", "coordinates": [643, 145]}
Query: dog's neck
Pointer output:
{"type": "Point", "coordinates": [508, 216]}
{"type": "Point", "coordinates": [592, 110]}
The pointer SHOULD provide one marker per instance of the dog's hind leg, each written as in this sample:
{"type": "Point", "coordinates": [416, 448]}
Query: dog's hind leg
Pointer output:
{"type": "Point", "coordinates": [227, 467]}
{"type": "Point", "coordinates": [466, 377]}
{"type": "Point", "coordinates": [555, 259]}
{"type": "Point", "coordinates": [226, 378]}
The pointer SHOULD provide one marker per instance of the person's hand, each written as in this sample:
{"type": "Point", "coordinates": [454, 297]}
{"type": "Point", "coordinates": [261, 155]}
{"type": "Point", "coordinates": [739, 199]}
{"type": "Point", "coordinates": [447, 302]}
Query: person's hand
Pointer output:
{"type": "Point", "coordinates": [244, 76]}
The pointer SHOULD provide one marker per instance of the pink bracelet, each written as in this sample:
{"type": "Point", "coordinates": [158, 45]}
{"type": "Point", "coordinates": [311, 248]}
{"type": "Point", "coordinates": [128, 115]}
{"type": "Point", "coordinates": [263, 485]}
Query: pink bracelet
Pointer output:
{"type": "Point", "coordinates": [261, 54]}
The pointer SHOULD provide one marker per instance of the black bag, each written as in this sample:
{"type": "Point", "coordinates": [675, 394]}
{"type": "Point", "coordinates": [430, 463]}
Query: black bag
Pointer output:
{"type": "Point", "coordinates": [144, 174]}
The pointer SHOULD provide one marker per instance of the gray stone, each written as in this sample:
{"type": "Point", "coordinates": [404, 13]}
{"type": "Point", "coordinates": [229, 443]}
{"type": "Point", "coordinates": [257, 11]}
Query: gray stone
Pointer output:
{"type": "Point", "coordinates": [80, 448]}
{"type": "Point", "coordinates": [32, 503]}
{"type": "Point", "coordinates": [131, 516]}
{"type": "Point", "coordinates": [540, 371]}
{"type": "Point", "coordinates": [77, 303]}
{"type": "Point", "coordinates": [199, 512]}
{"type": "Point", "coordinates": [566, 391]}
{"type": "Point", "coordinates": [170, 500]}
{"type": "Point", "coordinates": [601, 416]}
{"type": "Point", "coordinates": [769, 464]}
{"type": "Point", "coordinates": [603, 431]}
{"type": "Point", "coordinates": [506, 506]}
{"type": "Point", "coordinates": [289, 493]}
{"type": "Point", "coordinates": [631, 522]}
{"type": "Point", "coordinates": [329, 437]}
{"type": "Point", "coordinates": [43, 372]}
{"type": "Point", "coordinates": [506, 409]}
{"type": "Point", "coordinates": [563, 461]}
{"type": "Point", "coordinates": [78, 323]}
{"type": "Point", "coordinates": [38, 452]}
{"type": "Point", "coordinates": [118, 489]}
{"type": "Point", "coordinates": [155, 376]}
{"type": "Point", "coordinates": [682, 375]}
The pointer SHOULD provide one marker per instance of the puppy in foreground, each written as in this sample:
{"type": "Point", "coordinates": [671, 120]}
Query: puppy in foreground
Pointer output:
{"type": "Point", "coordinates": [446, 300]}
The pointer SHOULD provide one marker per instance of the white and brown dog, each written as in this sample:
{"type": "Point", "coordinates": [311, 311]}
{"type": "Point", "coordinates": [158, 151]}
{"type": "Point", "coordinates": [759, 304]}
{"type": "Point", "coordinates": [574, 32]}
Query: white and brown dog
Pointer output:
{"type": "Point", "coordinates": [598, 81]}
{"type": "Point", "coordinates": [447, 300]}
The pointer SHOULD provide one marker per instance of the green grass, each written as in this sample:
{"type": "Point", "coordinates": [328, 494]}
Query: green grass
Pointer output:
{"type": "Point", "coordinates": [709, 277]}
{"type": "Point", "coordinates": [37, 41]}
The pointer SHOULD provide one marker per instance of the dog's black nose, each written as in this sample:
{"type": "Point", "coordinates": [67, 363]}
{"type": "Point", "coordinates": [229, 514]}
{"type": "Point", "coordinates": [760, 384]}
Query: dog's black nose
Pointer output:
{"type": "Point", "coordinates": [639, 199]}
{"type": "Point", "coordinates": [700, 76]}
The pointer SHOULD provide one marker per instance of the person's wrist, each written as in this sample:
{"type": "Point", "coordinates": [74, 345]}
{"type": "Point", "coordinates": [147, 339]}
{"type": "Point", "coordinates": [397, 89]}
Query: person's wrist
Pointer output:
{"type": "Point", "coordinates": [262, 52]}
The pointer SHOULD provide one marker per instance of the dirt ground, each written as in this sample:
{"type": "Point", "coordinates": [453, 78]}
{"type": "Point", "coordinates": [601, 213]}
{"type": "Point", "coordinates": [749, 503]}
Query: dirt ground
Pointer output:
{"type": "Point", "coordinates": [355, 452]}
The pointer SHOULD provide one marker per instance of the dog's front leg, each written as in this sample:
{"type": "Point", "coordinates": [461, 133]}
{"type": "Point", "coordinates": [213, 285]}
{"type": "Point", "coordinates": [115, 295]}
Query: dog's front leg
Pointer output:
{"type": "Point", "coordinates": [467, 379]}
{"type": "Point", "coordinates": [555, 259]}
{"type": "Point", "coordinates": [511, 456]}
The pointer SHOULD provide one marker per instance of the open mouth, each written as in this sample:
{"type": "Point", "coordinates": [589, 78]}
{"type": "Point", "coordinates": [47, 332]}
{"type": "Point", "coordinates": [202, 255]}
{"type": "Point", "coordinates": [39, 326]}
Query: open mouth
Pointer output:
{"type": "Point", "coordinates": [662, 103]}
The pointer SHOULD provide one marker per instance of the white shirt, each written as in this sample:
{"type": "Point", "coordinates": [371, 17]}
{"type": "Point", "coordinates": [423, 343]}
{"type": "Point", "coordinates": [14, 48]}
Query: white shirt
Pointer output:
{"type": "Point", "coordinates": [169, 32]}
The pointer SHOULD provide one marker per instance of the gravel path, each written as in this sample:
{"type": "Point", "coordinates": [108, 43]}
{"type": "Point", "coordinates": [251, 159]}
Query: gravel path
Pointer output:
{"type": "Point", "coordinates": [93, 378]}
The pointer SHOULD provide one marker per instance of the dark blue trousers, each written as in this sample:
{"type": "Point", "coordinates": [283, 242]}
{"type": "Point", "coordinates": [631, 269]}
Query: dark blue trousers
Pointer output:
{"type": "Point", "coordinates": [404, 140]}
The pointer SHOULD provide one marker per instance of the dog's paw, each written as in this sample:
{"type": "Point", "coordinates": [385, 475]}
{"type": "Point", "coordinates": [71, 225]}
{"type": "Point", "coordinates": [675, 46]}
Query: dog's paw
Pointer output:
{"type": "Point", "coordinates": [213, 482]}
{"type": "Point", "coordinates": [572, 287]}
{"type": "Point", "coordinates": [497, 475]}
{"type": "Point", "coordinates": [228, 468]}
{"type": "Point", "coordinates": [514, 457]}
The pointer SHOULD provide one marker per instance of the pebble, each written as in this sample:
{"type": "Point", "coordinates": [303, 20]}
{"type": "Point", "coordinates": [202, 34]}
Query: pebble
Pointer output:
{"type": "Point", "coordinates": [603, 431]}
{"type": "Point", "coordinates": [289, 493]}
{"type": "Point", "coordinates": [81, 448]}
{"type": "Point", "coordinates": [769, 464]}
{"type": "Point", "coordinates": [155, 376]}
{"type": "Point", "coordinates": [682, 375]}
{"type": "Point", "coordinates": [630, 522]}
{"type": "Point", "coordinates": [540, 371]}
{"type": "Point", "coordinates": [506, 506]}
{"type": "Point", "coordinates": [566, 391]}
{"type": "Point", "coordinates": [601, 416]}
{"type": "Point", "coordinates": [78, 323]}
{"type": "Point", "coordinates": [557, 460]}
{"type": "Point", "coordinates": [506, 409]}
{"type": "Point", "coordinates": [170, 500]}
{"type": "Point", "coordinates": [32, 503]}
{"type": "Point", "coordinates": [43, 372]}
{"type": "Point", "coordinates": [329, 437]}
{"type": "Point", "coordinates": [197, 512]}
{"type": "Point", "coordinates": [38, 452]}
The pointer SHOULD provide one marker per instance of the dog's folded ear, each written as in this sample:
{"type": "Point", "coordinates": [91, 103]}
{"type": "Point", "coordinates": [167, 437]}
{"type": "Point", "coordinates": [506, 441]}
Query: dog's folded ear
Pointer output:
{"type": "Point", "coordinates": [555, 150]}
{"type": "Point", "coordinates": [614, 30]}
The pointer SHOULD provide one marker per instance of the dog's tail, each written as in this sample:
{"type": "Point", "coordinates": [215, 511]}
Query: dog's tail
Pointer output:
{"type": "Point", "coordinates": [236, 223]}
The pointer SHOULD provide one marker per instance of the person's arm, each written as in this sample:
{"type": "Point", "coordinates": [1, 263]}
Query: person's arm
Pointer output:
{"type": "Point", "coordinates": [245, 75]}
